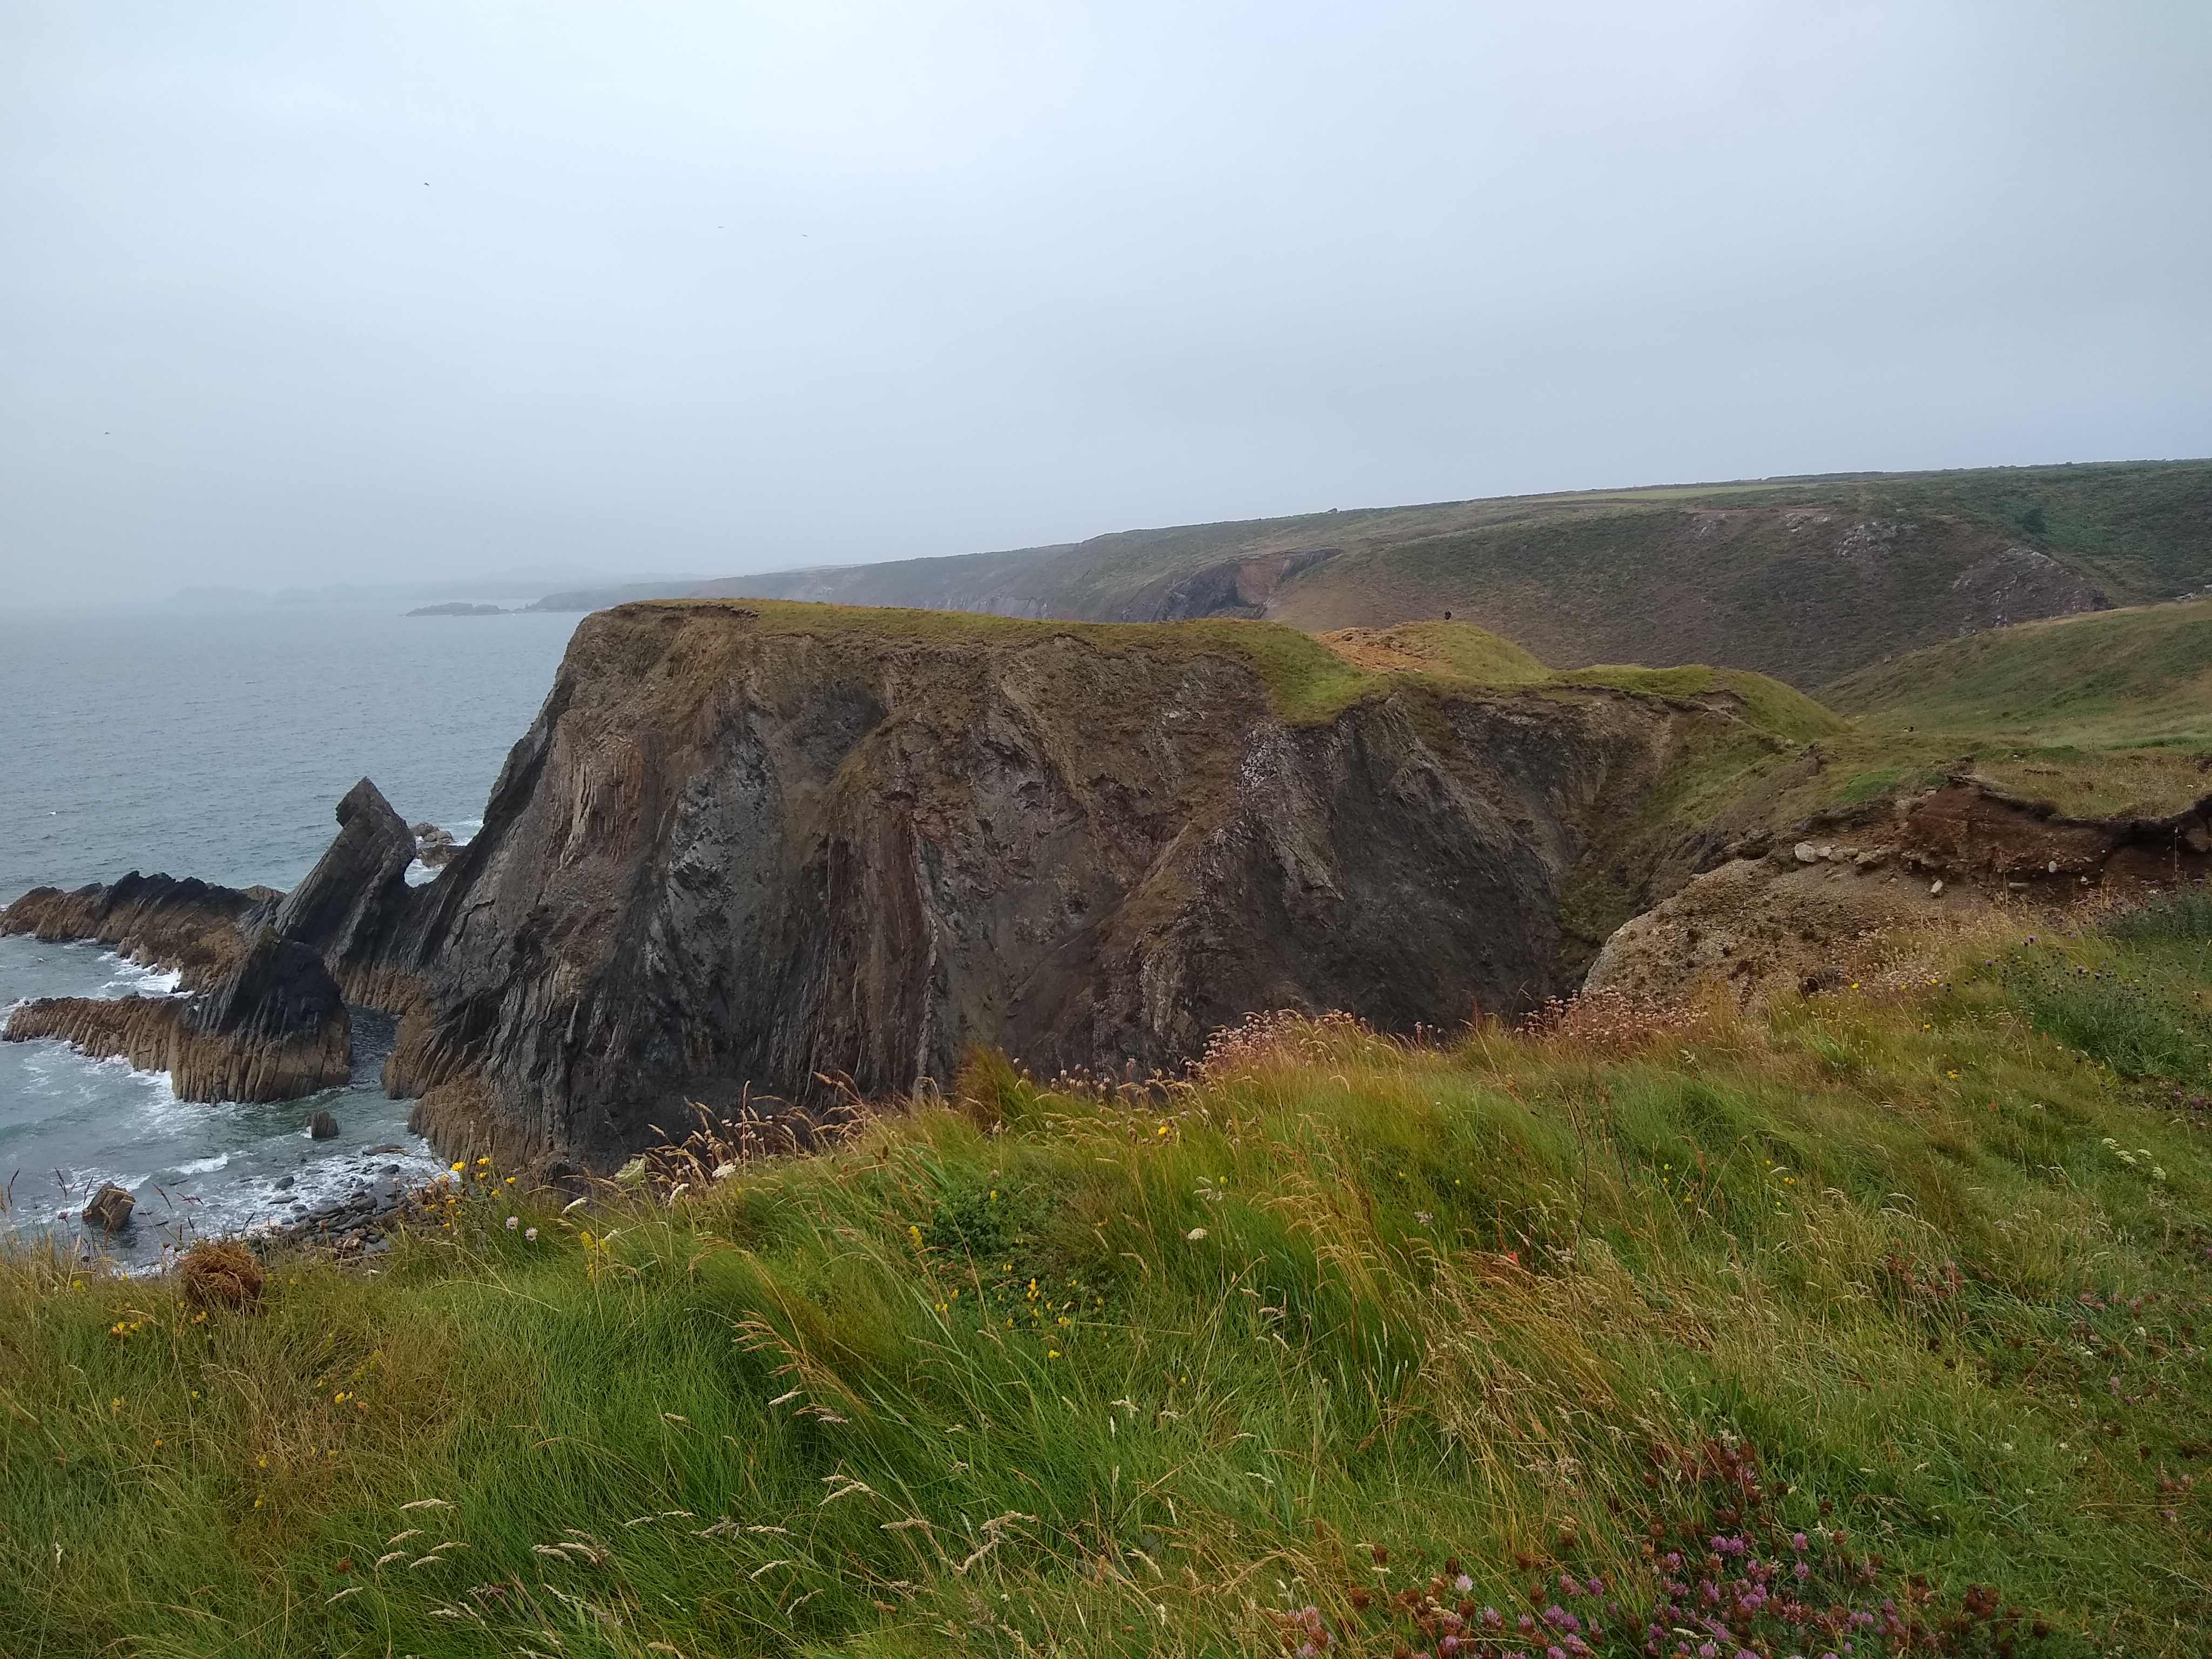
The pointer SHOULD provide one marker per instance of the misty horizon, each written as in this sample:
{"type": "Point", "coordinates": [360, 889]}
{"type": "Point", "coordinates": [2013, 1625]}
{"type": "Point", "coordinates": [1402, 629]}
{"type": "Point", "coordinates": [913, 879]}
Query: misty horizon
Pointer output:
{"type": "Point", "coordinates": [304, 299]}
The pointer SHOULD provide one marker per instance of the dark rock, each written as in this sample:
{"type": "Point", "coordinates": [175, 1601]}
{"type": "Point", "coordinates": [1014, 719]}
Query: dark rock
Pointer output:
{"type": "Point", "coordinates": [433, 847]}
{"type": "Point", "coordinates": [285, 1182]}
{"type": "Point", "coordinates": [110, 1208]}
{"type": "Point", "coordinates": [273, 1028]}
{"type": "Point", "coordinates": [737, 851]}
{"type": "Point", "coordinates": [358, 888]}
{"type": "Point", "coordinates": [323, 1126]}
{"type": "Point", "coordinates": [2017, 584]}
{"type": "Point", "coordinates": [196, 928]}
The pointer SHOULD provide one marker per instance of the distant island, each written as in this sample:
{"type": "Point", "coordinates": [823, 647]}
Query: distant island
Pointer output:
{"type": "Point", "coordinates": [457, 607]}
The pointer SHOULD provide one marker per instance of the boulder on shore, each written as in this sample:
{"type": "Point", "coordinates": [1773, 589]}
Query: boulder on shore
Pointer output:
{"type": "Point", "coordinates": [434, 847]}
{"type": "Point", "coordinates": [110, 1209]}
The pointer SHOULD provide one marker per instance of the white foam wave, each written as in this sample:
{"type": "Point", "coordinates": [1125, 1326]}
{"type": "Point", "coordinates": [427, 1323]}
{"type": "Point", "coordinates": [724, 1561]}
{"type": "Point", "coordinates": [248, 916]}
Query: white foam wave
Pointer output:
{"type": "Point", "coordinates": [204, 1165]}
{"type": "Point", "coordinates": [130, 978]}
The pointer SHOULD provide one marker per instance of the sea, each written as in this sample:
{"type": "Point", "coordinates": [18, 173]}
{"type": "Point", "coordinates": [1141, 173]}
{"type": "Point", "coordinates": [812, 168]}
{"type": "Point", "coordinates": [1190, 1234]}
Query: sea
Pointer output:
{"type": "Point", "coordinates": [216, 741]}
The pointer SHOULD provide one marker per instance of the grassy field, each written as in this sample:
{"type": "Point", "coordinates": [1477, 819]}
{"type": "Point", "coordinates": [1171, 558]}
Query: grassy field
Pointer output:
{"type": "Point", "coordinates": [1762, 574]}
{"type": "Point", "coordinates": [1886, 1312]}
{"type": "Point", "coordinates": [2132, 679]}
{"type": "Point", "coordinates": [2108, 714]}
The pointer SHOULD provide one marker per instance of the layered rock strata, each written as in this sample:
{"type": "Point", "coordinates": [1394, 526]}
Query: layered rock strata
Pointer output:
{"type": "Point", "coordinates": [274, 1028]}
{"type": "Point", "coordinates": [798, 850]}
{"type": "Point", "coordinates": [196, 928]}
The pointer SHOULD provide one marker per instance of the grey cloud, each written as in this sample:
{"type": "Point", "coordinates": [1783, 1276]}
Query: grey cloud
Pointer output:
{"type": "Point", "coordinates": [295, 295]}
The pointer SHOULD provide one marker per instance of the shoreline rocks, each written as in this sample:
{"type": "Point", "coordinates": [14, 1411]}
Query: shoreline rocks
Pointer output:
{"type": "Point", "coordinates": [266, 972]}
{"type": "Point", "coordinates": [434, 847]}
{"type": "Point", "coordinates": [194, 927]}
{"type": "Point", "coordinates": [110, 1208]}
{"type": "Point", "coordinates": [274, 1029]}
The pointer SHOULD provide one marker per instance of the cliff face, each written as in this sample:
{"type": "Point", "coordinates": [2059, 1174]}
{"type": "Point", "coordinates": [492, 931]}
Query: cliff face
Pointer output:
{"type": "Point", "coordinates": [791, 849]}
{"type": "Point", "coordinates": [768, 848]}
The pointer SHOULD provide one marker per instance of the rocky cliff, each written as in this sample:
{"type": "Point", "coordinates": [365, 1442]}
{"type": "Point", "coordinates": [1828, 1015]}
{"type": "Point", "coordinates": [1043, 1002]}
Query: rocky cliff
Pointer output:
{"type": "Point", "coordinates": [791, 848]}
{"type": "Point", "coordinates": [191, 926]}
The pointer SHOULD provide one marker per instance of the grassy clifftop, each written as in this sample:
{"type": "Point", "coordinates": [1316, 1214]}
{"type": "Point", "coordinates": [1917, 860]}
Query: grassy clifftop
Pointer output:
{"type": "Point", "coordinates": [1907, 1285]}
{"type": "Point", "coordinates": [2136, 677]}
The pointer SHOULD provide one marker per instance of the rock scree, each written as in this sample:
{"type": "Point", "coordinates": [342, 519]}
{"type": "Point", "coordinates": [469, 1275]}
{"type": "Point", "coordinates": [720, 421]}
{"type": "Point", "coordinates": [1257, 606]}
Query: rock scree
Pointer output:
{"type": "Point", "coordinates": [1798, 919]}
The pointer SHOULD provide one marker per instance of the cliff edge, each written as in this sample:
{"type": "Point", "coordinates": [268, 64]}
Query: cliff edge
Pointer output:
{"type": "Point", "coordinates": [792, 849]}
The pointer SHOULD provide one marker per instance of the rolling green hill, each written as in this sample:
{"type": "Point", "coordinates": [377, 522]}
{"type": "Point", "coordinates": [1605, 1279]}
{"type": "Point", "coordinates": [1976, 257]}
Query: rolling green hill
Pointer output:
{"type": "Point", "coordinates": [2141, 677]}
{"type": "Point", "coordinates": [2105, 715]}
{"type": "Point", "coordinates": [1808, 580]}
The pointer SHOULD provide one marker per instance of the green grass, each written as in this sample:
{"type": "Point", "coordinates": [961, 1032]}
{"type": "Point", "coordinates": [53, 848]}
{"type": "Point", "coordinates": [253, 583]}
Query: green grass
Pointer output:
{"type": "Point", "coordinates": [1752, 575]}
{"type": "Point", "coordinates": [2105, 715]}
{"type": "Point", "coordinates": [1041, 1371]}
{"type": "Point", "coordinates": [2132, 995]}
{"type": "Point", "coordinates": [1305, 680]}
{"type": "Point", "coordinates": [1767, 703]}
{"type": "Point", "coordinates": [2117, 676]}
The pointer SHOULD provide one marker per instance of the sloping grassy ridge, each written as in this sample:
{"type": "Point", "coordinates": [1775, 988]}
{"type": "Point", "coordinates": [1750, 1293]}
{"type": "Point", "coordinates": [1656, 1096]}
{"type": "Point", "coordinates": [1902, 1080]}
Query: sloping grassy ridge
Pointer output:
{"type": "Point", "coordinates": [1894, 1284]}
{"type": "Point", "coordinates": [1762, 575]}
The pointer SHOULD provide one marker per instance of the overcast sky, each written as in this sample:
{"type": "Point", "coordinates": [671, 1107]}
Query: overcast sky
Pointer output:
{"type": "Point", "coordinates": [297, 294]}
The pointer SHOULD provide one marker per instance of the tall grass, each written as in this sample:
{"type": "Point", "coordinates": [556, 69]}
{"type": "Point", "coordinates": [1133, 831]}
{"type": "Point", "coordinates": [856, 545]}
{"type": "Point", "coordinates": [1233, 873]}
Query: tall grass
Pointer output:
{"type": "Point", "coordinates": [1079, 1370]}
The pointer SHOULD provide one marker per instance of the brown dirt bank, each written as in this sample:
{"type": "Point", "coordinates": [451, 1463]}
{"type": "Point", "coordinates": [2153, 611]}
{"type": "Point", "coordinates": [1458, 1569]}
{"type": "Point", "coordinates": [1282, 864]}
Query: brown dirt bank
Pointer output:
{"type": "Point", "coordinates": [1813, 911]}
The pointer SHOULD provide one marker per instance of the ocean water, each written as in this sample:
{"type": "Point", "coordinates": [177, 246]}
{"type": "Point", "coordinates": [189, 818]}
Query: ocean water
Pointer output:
{"type": "Point", "coordinates": [216, 743]}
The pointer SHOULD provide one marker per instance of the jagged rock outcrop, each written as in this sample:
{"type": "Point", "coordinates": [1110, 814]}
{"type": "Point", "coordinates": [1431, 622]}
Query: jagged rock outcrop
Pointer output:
{"type": "Point", "coordinates": [759, 849]}
{"type": "Point", "coordinates": [191, 926]}
{"type": "Point", "coordinates": [266, 1018]}
{"type": "Point", "coordinates": [2019, 584]}
{"type": "Point", "coordinates": [274, 1028]}
{"type": "Point", "coordinates": [354, 900]}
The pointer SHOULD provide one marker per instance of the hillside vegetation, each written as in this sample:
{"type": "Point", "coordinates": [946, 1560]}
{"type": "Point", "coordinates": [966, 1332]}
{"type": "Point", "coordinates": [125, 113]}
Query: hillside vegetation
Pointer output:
{"type": "Point", "coordinates": [1806, 580]}
{"type": "Point", "coordinates": [1879, 1319]}
{"type": "Point", "coordinates": [2104, 714]}
{"type": "Point", "coordinates": [2139, 677]}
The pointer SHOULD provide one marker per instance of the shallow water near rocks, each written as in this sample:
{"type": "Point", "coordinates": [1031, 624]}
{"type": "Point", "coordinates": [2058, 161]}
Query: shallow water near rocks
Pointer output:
{"type": "Point", "coordinates": [216, 743]}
